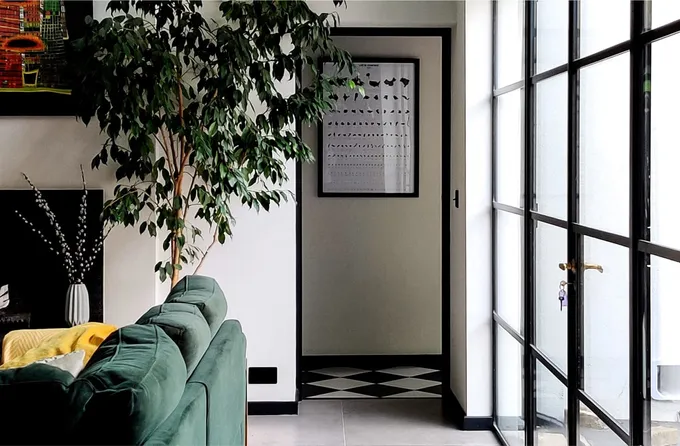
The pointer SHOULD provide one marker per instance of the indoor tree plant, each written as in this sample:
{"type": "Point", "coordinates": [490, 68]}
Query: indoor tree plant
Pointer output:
{"type": "Point", "coordinates": [193, 114]}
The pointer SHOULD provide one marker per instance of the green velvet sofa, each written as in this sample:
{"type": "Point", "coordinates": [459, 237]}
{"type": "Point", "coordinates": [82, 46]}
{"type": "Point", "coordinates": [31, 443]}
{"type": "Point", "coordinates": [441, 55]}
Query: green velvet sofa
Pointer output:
{"type": "Point", "coordinates": [176, 377]}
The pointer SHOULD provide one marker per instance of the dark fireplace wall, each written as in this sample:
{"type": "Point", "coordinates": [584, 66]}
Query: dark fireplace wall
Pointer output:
{"type": "Point", "coordinates": [36, 276]}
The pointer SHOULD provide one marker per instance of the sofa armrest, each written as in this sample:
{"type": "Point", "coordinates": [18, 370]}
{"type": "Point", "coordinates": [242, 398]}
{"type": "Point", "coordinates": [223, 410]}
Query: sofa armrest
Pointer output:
{"type": "Point", "coordinates": [17, 342]}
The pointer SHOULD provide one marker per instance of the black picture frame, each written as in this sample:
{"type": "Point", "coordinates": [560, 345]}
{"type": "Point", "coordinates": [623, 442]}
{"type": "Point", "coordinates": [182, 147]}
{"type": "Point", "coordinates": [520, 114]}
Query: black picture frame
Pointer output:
{"type": "Point", "coordinates": [48, 103]}
{"type": "Point", "coordinates": [414, 193]}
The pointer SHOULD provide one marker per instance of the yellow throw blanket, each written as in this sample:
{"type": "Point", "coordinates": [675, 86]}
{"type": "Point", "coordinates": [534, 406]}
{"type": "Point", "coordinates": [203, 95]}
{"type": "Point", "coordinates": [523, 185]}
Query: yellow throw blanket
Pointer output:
{"type": "Point", "coordinates": [81, 337]}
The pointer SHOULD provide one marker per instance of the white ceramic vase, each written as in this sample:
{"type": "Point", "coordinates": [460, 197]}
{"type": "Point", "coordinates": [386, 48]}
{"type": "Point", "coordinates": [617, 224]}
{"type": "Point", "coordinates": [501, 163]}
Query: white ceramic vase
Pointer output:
{"type": "Point", "coordinates": [77, 304]}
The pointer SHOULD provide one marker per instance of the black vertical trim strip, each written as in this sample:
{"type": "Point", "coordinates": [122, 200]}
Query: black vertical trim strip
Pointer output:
{"type": "Point", "coordinates": [573, 342]}
{"type": "Point", "coordinates": [447, 123]}
{"type": "Point", "coordinates": [528, 260]}
{"type": "Point", "coordinates": [638, 291]}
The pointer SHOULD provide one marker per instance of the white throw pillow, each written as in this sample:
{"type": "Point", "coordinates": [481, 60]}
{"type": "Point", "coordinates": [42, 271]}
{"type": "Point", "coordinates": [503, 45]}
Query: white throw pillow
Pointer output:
{"type": "Point", "coordinates": [70, 362]}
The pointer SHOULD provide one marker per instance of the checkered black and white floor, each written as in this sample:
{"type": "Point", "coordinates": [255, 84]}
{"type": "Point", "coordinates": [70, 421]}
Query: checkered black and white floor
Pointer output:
{"type": "Point", "coordinates": [395, 382]}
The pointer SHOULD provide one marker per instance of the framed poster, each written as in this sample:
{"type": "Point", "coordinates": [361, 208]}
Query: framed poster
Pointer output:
{"type": "Point", "coordinates": [368, 145]}
{"type": "Point", "coordinates": [35, 38]}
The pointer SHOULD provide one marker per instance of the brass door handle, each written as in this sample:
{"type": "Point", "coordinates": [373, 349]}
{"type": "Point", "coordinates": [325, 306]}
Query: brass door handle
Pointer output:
{"type": "Point", "coordinates": [593, 266]}
{"type": "Point", "coordinates": [571, 267]}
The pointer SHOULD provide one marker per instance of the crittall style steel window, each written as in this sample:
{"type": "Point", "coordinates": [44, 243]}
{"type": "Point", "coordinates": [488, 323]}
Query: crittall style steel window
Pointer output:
{"type": "Point", "coordinates": [586, 129]}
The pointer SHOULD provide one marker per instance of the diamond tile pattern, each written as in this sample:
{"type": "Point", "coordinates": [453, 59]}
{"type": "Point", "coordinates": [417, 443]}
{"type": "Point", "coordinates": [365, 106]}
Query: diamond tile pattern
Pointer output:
{"type": "Point", "coordinates": [352, 383]}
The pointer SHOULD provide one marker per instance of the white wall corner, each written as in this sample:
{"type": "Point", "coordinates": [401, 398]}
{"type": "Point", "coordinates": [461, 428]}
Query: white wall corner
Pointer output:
{"type": "Point", "coordinates": [458, 360]}
{"type": "Point", "coordinates": [478, 209]}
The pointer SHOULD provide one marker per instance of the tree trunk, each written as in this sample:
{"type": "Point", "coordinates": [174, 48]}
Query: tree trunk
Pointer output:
{"type": "Point", "coordinates": [176, 248]}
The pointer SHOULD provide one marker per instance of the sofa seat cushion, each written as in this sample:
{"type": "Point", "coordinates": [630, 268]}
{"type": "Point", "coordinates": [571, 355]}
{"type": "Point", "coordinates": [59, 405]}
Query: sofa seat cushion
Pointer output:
{"type": "Point", "coordinates": [188, 424]}
{"type": "Point", "coordinates": [204, 293]}
{"type": "Point", "coordinates": [132, 383]}
{"type": "Point", "coordinates": [185, 325]}
{"type": "Point", "coordinates": [36, 395]}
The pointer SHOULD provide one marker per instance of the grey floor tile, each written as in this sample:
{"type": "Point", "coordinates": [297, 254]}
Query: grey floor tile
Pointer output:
{"type": "Point", "coordinates": [318, 424]}
{"type": "Point", "coordinates": [363, 423]}
{"type": "Point", "coordinates": [404, 423]}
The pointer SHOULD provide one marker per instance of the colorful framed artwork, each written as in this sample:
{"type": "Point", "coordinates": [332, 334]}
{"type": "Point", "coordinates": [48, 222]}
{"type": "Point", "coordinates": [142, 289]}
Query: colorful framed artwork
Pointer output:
{"type": "Point", "coordinates": [368, 144]}
{"type": "Point", "coordinates": [35, 38]}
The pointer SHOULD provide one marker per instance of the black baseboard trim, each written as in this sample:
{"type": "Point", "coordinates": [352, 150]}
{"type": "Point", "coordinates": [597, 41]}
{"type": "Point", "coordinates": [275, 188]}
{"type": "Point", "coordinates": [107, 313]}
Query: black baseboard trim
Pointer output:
{"type": "Point", "coordinates": [273, 408]}
{"type": "Point", "coordinates": [372, 361]}
{"type": "Point", "coordinates": [455, 413]}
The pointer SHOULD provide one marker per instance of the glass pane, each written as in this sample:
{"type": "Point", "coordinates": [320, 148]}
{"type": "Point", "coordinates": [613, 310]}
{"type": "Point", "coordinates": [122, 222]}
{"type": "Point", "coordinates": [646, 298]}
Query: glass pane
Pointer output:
{"type": "Point", "coordinates": [664, 11]}
{"type": "Point", "coordinates": [509, 160]}
{"type": "Point", "coordinates": [551, 409]}
{"type": "Point", "coordinates": [509, 53]}
{"type": "Point", "coordinates": [604, 152]}
{"type": "Point", "coordinates": [605, 316]}
{"type": "Point", "coordinates": [551, 147]}
{"type": "Point", "coordinates": [509, 406]}
{"type": "Point", "coordinates": [509, 246]}
{"type": "Point", "coordinates": [551, 313]}
{"type": "Point", "coordinates": [603, 24]}
{"type": "Point", "coordinates": [594, 431]}
{"type": "Point", "coordinates": [552, 17]}
{"type": "Point", "coordinates": [665, 160]}
{"type": "Point", "coordinates": [665, 360]}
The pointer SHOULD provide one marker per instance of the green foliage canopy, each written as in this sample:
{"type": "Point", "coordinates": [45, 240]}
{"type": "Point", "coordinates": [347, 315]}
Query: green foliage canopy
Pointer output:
{"type": "Point", "coordinates": [193, 113]}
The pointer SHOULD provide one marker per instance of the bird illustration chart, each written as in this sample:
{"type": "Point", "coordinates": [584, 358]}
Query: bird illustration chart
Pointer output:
{"type": "Point", "coordinates": [369, 141]}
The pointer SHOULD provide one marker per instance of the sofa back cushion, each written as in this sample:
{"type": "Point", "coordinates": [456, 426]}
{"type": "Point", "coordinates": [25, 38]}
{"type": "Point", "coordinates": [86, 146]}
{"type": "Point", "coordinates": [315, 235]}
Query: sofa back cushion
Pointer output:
{"type": "Point", "coordinates": [204, 293]}
{"type": "Point", "coordinates": [132, 383]}
{"type": "Point", "coordinates": [185, 325]}
{"type": "Point", "coordinates": [37, 393]}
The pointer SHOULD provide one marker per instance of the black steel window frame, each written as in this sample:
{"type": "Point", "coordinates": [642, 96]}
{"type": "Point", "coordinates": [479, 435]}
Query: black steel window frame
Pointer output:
{"type": "Point", "coordinates": [638, 240]}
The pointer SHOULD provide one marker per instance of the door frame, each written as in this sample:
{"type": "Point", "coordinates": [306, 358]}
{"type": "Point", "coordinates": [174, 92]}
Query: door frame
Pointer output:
{"type": "Point", "coordinates": [446, 52]}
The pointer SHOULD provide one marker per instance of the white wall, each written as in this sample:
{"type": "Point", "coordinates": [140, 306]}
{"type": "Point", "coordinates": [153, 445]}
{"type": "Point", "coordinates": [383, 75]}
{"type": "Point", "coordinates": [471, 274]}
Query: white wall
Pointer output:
{"type": "Point", "coordinates": [471, 360]}
{"type": "Point", "coordinates": [372, 266]}
{"type": "Point", "coordinates": [257, 267]}
{"type": "Point", "coordinates": [478, 205]}
{"type": "Point", "coordinates": [458, 360]}
{"type": "Point", "coordinates": [394, 13]}
{"type": "Point", "coordinates": [49, 150]}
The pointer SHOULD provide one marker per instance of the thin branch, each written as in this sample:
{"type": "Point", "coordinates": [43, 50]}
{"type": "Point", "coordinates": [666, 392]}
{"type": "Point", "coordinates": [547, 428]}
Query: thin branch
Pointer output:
{"type": "Point", "coordinates": [191, 186]}
{"type": "Point", "coordinates": [205, 253]}
{"type": "Point", "coordinates": [37, 231]}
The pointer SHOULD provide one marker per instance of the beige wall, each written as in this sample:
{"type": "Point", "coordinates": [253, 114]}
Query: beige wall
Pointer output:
{"type": "Point", "coordinates": [372, 266]}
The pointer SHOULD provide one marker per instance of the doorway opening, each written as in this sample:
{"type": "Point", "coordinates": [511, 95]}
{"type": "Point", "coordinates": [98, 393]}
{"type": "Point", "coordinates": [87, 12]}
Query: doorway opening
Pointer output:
{"type": "Point", "coordinates": [372, 304]}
